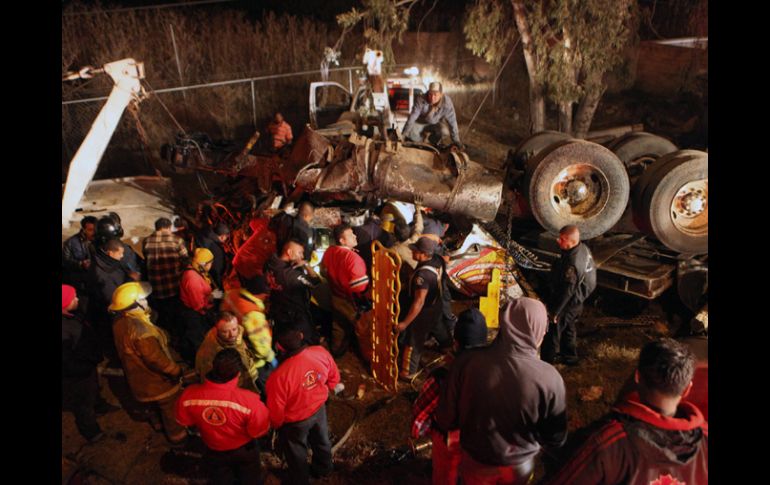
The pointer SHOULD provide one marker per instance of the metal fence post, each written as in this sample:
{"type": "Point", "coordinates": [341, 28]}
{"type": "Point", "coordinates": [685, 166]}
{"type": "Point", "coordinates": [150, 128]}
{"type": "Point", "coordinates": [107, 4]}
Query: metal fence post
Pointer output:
{"type": "Point", "coordinates": [253, 105]}
{"type": "Point", "coordinates": [350, 79]}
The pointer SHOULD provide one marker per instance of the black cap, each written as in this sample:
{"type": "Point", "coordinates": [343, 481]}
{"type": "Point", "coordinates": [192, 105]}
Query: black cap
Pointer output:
{"type": "Point", "coordinates": [424, 245]}
{"type": "Point", "coordinates": [471, 329]}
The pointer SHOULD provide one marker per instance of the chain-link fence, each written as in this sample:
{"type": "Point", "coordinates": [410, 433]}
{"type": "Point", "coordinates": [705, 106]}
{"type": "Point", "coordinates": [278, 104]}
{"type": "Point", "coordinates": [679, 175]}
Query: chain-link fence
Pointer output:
{"type": "Point", "coordinates": [224, 110]}
{"type": "Point", "coordinates": [228, 110]}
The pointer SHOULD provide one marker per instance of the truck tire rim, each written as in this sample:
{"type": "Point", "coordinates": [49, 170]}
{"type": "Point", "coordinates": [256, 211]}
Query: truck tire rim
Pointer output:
{"type": "Point", "coordinates": [580, 191]}
{"type": "Point", "coordinates": [689, 208]}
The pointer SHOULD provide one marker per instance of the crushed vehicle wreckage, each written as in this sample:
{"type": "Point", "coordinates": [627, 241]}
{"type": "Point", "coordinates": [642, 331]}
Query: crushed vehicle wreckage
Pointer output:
{"type": "Point", "coordinates": [361, 172]}
{"type": "Point", "coordinates": [642, 203]}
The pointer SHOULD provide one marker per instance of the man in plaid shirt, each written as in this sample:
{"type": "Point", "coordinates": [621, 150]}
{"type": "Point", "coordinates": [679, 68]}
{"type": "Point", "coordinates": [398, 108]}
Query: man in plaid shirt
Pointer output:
{"type": "Point", "coordinates": [166, 256]}
{"type": "Point", "coordinates": [470, 332]}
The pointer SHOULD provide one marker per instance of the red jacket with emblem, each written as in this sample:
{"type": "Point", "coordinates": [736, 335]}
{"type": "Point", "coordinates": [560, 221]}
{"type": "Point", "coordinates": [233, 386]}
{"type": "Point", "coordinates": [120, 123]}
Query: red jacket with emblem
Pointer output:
{"type": "Point", "coordinates": [346, 271]}
{"type": "Point", "coordinates": [636, 445]}
{"type": "Point", "coordinates": [299, 386]}
{"type": "Point", "coordinates": [227, 416]}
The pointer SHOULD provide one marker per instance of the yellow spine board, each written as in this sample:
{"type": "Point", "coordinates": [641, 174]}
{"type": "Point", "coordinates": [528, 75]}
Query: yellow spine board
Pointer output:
{"type": "Point", "coordinates": [386, 286]}
{"type": "Point", "coordinates": [489, 305]}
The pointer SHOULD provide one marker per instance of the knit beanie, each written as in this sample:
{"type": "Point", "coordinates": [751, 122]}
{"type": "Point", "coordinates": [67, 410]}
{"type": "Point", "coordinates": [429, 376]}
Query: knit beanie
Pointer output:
{"type": "Point", "coordinates": [471, 329]}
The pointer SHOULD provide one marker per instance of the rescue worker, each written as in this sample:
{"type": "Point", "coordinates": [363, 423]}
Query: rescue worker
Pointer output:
{"type": "Point", "coordinates": [229, 420]}
{"type": "Point", "coordinates": [296, 398]}
{"type": "Point", "coordinates": [505, 401]}
{"type": "Point", "coordinates": [290, 279]}
{"type": "Point", "coordinates": [348, 280]}
{"type": "Point", "coordinates": [76, 255]}
{"type": "Point", "coordinates": [407, 235]}
{"type": "Point", "coordinates": [105, 274]}
{"type": "Point", "coordinates": [653, 435]}
{"type": "Point", "coordinates": [697, 341]}
{"type": "Point", "coordinates": [249, 261]}
{"type": "Point", "coordinates": [280, 132]}
{"type": "Point", "coordinates": [248, 307]}
{"type": "Point", "coordinates": [227, 334]}
{"type": "Point", "coordinates": [573, 278]}
{"type": "Point", "coordinates": [435, 228]}
{"type": "Point", "coordinates": [296, 227]}
{"type": "Point", "coordinates": [425, 309]}
{"type": "Point", "coordinates": [470, 333]}
{"type": "Point", "coordinates": [166, 256]}
{"type": "Point", "coordinates": [372, 230]}
{"type": "Point", "coordinates": [433, 116]}
{"type": "Point", "coordinates": [152, 374]}
{"type": "Point", "coordinates": [195, 292]}
{"type": "Point", "coordinates": [213, 239]}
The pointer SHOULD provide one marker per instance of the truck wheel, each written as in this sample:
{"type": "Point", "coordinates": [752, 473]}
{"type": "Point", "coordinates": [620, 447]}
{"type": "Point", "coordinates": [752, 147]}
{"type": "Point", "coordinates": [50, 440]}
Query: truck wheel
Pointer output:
{"type": "Point", "coordinates": [577, 182]}
{"type": "Point", "coordinates": [531, 146]}
{"type": "Point", "coordinates": [674, 204]}
{"type": "Point", "coordinates": [643, 181]}
{"type": "Point", "coordinates": [640, 147]}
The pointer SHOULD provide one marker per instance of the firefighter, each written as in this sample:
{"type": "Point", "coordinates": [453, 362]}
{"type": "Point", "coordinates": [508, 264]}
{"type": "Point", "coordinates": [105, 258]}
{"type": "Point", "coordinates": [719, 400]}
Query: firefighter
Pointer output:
{"type": "Point", "coordinates": [196, 293]}
{"type": "Point", "coordinates": [152, 374]}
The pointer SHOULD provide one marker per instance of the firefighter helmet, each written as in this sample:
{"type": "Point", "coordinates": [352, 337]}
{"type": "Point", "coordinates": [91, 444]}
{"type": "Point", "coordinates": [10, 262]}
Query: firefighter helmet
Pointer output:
{"type": "Point", "coordinates": [202, 256]}
{"type": "Point", "coordinates": [127, 295]}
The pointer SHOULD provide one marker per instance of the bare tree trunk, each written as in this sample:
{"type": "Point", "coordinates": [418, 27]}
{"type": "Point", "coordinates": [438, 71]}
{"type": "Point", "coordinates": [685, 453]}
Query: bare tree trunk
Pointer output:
{"type": "Point", "coordinates": [587, 108]}
{"type": "Point", "coordinates": [565, 117]}
{"type": "Point", "coordinates": [565, 107]}
{"type": "Point", "coordinates": [536, 91]}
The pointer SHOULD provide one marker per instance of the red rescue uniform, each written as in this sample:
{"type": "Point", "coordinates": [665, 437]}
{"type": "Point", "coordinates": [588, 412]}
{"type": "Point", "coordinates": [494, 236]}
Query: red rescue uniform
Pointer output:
{"type": "Point", "coordinates": [195, 291]}
{"type": "Point", "coordinates": [227, 416]}
{"type": "Point", "coordinates": [300, 385]}
{"type": "Point", "coordinates": [281, 133]}
{"type": "Point", "coordinates": [346, 271]}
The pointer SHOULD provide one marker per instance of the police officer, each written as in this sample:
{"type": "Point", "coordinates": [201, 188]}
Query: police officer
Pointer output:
{"type": "Point", "coordinates": [573, 278]}
{"type": "Point", "coordinates": [425, 310]}
{"type": "Point", "coordinates": [290, 279]}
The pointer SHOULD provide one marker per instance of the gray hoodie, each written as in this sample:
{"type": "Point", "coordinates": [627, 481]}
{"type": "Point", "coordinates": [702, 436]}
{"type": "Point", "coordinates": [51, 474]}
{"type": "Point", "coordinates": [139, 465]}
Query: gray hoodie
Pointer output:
{"type": "Point", "coordinates": [503, 398]}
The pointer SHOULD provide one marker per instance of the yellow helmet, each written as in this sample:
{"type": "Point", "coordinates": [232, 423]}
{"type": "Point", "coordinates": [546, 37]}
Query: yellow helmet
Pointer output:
{"type": "Point", "coordinates": [202, 256]}
{"type": "Point", "coordinates": [127, 294]}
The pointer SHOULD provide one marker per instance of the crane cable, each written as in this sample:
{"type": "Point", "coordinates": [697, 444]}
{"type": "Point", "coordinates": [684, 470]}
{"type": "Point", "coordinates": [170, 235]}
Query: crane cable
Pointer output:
{"type": "Point", "coordinates": [467, 128]}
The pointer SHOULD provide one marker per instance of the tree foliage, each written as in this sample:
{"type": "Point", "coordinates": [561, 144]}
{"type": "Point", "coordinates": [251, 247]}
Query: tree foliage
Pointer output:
{"type": "Point", "coordinates": [578, 42]}
{"type": "Point", "coordinates": [490, 30]}
{"type": "Point", "coordinates": [384, 21]}
{"type": "Point", "coordinates": [574, 42]}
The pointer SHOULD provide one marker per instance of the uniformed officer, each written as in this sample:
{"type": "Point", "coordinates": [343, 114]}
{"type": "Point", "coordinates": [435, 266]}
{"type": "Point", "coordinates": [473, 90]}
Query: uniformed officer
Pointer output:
{"type": "Point", "coordinates": [290, 279]}
{"type": "Point", "coordinates": [425, 311]}
{"type": "Point", "coordinates": [573, 278]}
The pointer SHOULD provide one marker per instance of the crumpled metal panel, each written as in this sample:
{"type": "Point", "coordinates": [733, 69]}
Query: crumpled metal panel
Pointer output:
{"type": "Point", "coordinates": [449, 183]}
{"type": "Point", "coordinates": [309, 148]}
{"type": "Point", "coordinates": [441, 182]}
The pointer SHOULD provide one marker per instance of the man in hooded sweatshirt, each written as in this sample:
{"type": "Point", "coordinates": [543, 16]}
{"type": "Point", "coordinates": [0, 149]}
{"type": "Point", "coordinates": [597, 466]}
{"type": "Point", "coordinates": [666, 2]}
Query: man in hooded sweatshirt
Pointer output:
{"type": "Point", "coordinates": [506, 402]}
{"type": "Point", "coordinates": [651, 436]}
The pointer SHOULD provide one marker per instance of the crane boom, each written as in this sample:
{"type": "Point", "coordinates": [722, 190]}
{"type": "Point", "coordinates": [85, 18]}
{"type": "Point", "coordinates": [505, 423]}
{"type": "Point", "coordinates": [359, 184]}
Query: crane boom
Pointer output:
{"type": "Point", "coordinates": [126, 75]}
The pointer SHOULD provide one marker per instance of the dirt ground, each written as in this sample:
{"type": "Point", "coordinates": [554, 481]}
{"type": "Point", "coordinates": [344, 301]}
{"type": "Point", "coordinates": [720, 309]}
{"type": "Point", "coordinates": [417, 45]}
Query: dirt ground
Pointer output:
{"type": "Point", "coordinates": [376, 449]}
{"type": "Point", "coordinates": [611, 333]}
